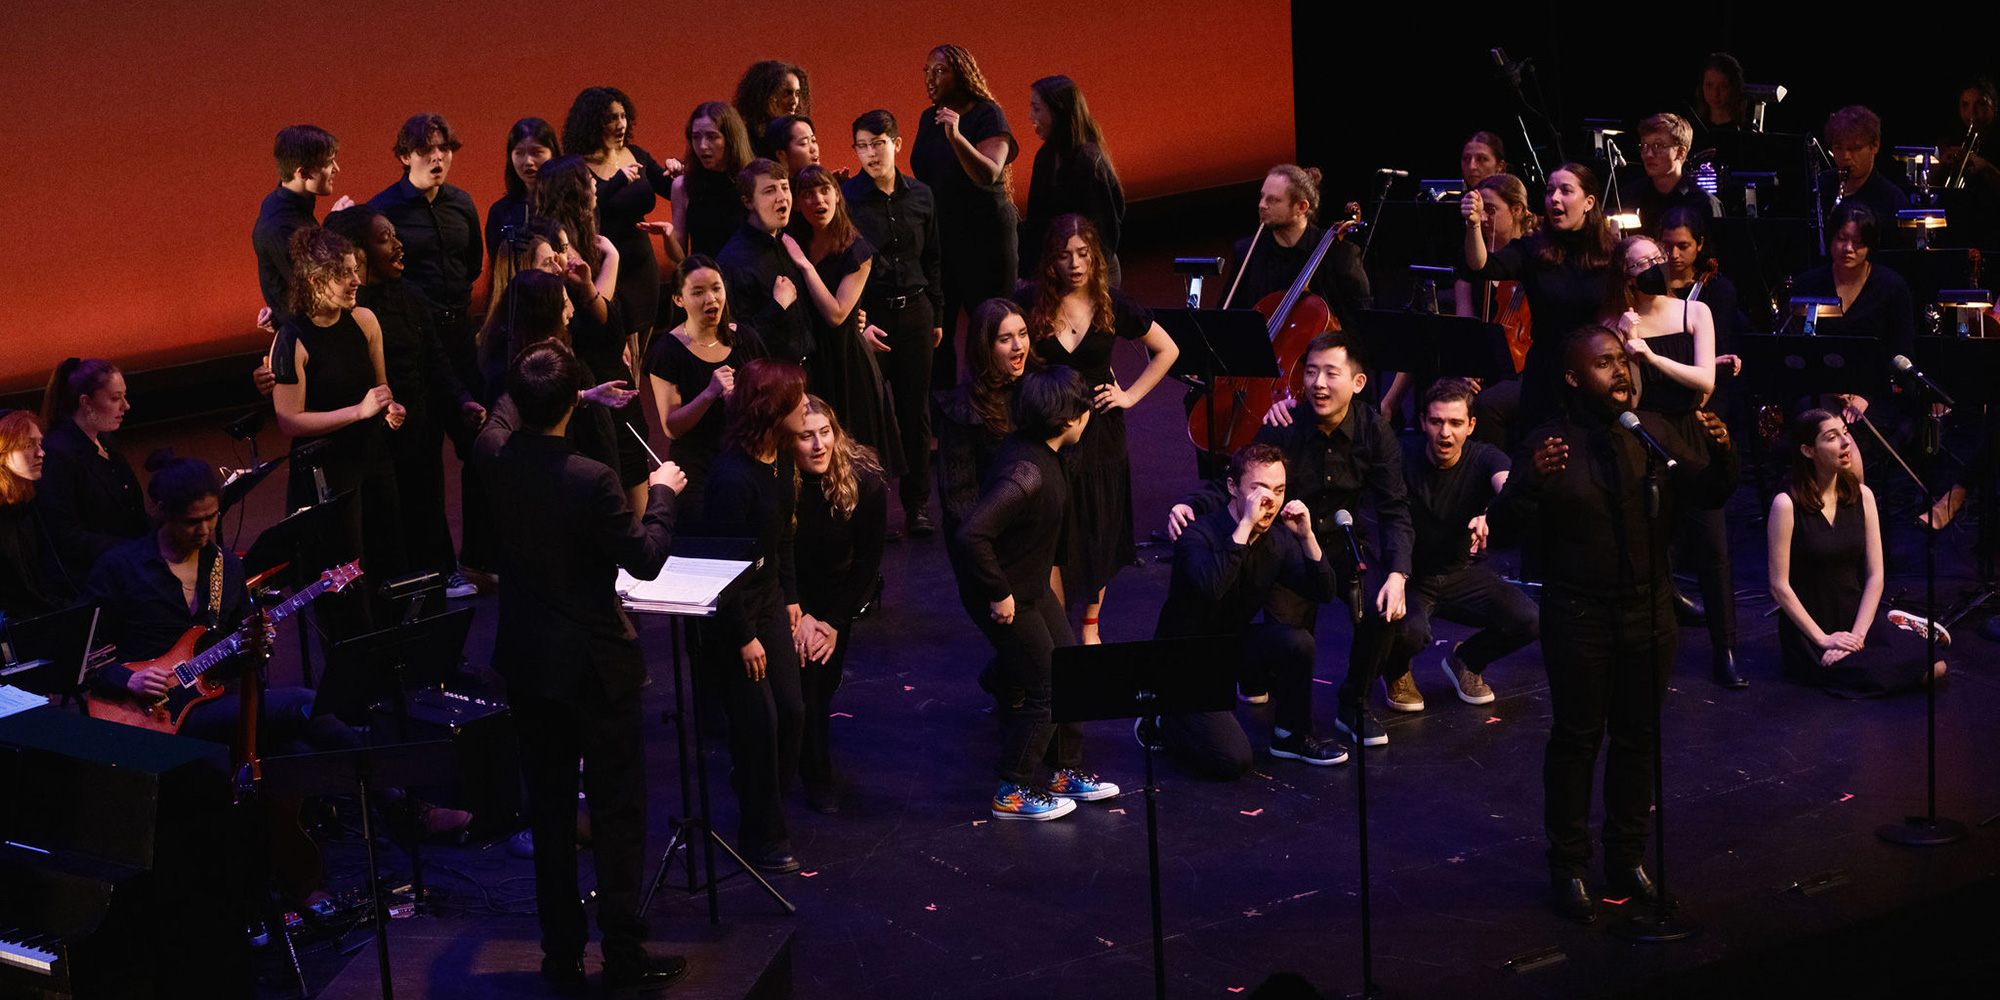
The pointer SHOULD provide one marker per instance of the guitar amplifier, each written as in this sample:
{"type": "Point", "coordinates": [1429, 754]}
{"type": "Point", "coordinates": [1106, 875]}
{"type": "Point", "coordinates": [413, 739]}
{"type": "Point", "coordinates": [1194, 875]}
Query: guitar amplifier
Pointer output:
{"type": "Point", "coordinates": [489, 757]}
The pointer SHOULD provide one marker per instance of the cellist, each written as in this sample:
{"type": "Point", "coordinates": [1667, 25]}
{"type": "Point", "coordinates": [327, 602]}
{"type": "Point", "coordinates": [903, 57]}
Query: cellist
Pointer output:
{"type": "Point", "coordinates": [1270, 260]}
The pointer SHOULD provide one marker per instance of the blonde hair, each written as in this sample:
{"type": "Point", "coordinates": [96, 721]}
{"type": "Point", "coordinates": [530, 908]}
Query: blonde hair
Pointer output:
{"type": "Point", "coordinates": [841, 486]}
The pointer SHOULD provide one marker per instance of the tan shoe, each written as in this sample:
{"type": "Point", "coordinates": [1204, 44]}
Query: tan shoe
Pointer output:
{"type": "Point", "coordinates": [1472, 688]}
{"type": "Point", "coordinates": [1402, 694]}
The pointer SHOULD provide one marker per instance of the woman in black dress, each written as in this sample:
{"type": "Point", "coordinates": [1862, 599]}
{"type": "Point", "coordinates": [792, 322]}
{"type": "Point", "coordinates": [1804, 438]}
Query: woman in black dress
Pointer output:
{"type": "Point", "coordinates": [692, 371]}
{"type": "Point", "coordinates": [1075, 318]}
{"type": "Point", "coordinates": [530, 143]}
{"type": "Point", "coordinates": [749, 645]}
{"type": "Point", "coordinates": [32, 582]}
{"type": "Point", "coordinates": [963, 150]}
{"type": "Point", "coordinates": [706, 207]}
{"type": "Point", "coordinates": [976, 417]}
{"type": "Point", "coordinates": [771, 89]}
{"type": "Point", "coordinates": [88, 495]}
{"type": "Point", "coordinates": [1826, 572]}
{"type": "Point", "coordinates": [629, 181]}
{"type": "Point", "coordinates": [835, 262]}
{"type": "Point", "coordinates": [1561, 268]}
{"type": "Point", "coordinates": [1073, 174]}
{"type": "Point", "coordinates": [843, 518]}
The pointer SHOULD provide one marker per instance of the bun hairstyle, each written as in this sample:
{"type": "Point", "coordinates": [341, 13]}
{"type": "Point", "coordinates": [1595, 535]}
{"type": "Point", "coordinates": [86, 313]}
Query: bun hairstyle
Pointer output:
{"type": "Point", "coordinates": [1302, 183]}
{"type": "Point", "coordinates": [73, 378]}
{"type": "Point", "coordinates": [179, 483]}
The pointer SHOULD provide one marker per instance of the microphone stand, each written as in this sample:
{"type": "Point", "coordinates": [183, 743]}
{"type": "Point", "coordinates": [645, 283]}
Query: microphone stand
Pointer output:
{"type": "Point", "coordinates": [1355, 613]}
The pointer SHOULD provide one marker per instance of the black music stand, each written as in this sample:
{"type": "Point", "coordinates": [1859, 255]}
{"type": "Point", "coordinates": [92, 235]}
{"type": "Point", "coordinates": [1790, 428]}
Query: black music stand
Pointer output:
{"type": "Point", "coordinates": [1219, 343]}
{"type": "Point", "coordinates": [1928, 272]}
{"type": "Point", "coordinates": [51, 652]}
{"type": "Point", "coordinates": [280, 551]}
{"type": "Point", "coordinates": [690, 826]}
{"type": "Point", "coordinates": [1787, 366]}
{"type": "Point", "coordinates": [1132, 680]}
{"type": "Point", "coordinates": [338, 772]}
{"type": "Point", "coordinates": [1429, 346]}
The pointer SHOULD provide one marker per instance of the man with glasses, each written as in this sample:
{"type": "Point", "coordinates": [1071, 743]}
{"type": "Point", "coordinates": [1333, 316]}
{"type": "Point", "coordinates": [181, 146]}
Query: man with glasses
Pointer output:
{"type": "Point", "coordinates": [1663, 149]}
{"type": "Point", "coordinates": [1853, 138]}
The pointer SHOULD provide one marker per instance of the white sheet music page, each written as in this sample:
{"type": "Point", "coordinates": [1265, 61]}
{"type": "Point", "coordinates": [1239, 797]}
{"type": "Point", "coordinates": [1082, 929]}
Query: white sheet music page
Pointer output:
{"type": "Point", "coordinates": [684, 584]}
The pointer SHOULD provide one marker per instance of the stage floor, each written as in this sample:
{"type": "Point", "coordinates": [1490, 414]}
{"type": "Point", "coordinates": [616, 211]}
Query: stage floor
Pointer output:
{"type": "Point", "coordinates": [912, 890]}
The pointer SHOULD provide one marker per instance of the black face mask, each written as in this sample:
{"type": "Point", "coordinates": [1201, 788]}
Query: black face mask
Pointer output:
{"type": "Point", "coordinates": [1652, 281]}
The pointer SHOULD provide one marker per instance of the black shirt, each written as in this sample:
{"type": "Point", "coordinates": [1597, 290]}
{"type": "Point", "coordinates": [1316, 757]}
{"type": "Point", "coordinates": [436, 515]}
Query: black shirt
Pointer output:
{"type": "Point", "coordinates": [442, 248]}
{"type": "Point", "coordinates": [32, 582]}
{"type": "Point", "coordinates": [507, 210]}
{"type": "Point", "coordinates": [1360, 460]}
{"type": "Point", "coordinates": [1218, 586]}
{"type": "Point", "coordinates": [670, 360]}
{"type": "Point", "coordinates": [758, 499]}
{"type": "Point", "coordinates": [283, 213]}
{"type": "Point", "coordinates": [1010, 536]}
{"type": "Point", "coordinates": [419, 373]}
{"type": "Point", "coordinates": [838, 557]}
{"type": "Point", "coordinates": [965, 451]}
{"type": "Point", "coordinates": [1268, 267]}
{"type": "Point", "coordinates": [90, 502]}
{"type": "Point", "coordinates": [751, 263]}
{"type": "Point", "coordinates": [144, 612]}
{"type": "Point", "coordinates": [964, 204]}
{"type": "Point", "coordinates": [1879, 195]}
{"type": "Point", "coordinates": [1641, 196]}
{"type": "Point", "coordinates": [714, 210]}
{"type": "Point", "coordinates": [1081, 183]}
{"type": "Point", "coordinates": [1882, 309]}
{"type": "Point", "coordinates": [903, 228]}
{"type": "Point", "coordinates": [1562, 297]}
{"type": "Point", "coordinates": [1444, 501]}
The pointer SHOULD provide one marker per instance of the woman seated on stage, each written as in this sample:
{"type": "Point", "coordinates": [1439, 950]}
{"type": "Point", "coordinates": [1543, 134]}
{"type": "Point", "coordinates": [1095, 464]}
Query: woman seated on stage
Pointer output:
{"type": "Point", "coordinates": [707, 210]}
{"type": "Point", "coordinates": [1826, 573]}
{"type": "Point", "coordinates": [32, 582]}
{"type": "Point", "coordinates": [1874, 300]}
{"type": "Point", "coordinates": [977, 416]}
{"type": "Point", "coordinates": [1484, 155]}
{"type": "Point", "coordinates": [843, 519]}
{"type": "Point", "coordinates": [1719, 102]}
{"type": "Point", "coordinates": [692, 371]}
{"type": "Point", "coordinates": [88, 495]}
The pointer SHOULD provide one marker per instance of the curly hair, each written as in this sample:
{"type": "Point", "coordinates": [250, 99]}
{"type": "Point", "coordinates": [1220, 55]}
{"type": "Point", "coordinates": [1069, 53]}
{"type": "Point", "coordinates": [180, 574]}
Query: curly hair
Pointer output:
{"type": "Point", "coordinates": [1070, 122]}
{"type": "Point", "coordinates": [841, 486]}
{"type": "Point", "coordinates": [989, 388]}
{"type": "Point", "coordinates": [1046, 315]}
{"type": "Point", "coordinates": [965, 69]}
{"type": "Point", "coordinates": [539, 132]}
{"type": "Point", "coordinates": [736, 153]}
{"type": "Point", "coordinates": [583, 130]}
{"type": "Point", "coordinates": [839, 229]}
{"type": "Point", "coordinates": [767, 391]}
{"type": "Point", "coordinates": [17, 429]}
{"type": "Point", "coordinates": [74, 378]}
{"type": "Point", "coordinates": [760, 81]}
{"type": "Point", "coordinates": [564, 191]}
{"type": "Point", "coordinates": [318, 254]}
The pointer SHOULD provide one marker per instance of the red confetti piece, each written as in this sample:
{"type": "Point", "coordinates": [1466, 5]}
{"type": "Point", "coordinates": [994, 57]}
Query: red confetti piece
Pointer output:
{"type": "Point", "coordinates": [1103, 942]}
{"type": "Point", "coordinates": [932, 906]}
{"type": "Point", "coordinates": [1253, 812]}
{"type": "Point", "coordinates": [1236, 989]}
{"type": "Point", "coordinates": [1491, 719]}
{"type": "Point", "coordinates": [1120, 812]}
{"type": "Point", "coordinates": [1618, 902]}
{"type": "Point", "coordinates": [906, 687]}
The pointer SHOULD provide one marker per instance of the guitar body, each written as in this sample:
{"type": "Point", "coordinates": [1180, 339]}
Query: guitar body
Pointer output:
{"type": "Point", "coordinates": [1240, 403]}
{"type": "Point", "coordinates": [167, 714]}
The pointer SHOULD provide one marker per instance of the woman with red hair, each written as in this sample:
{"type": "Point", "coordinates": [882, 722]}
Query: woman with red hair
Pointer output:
{"type": "Point", "coordinates": [31, 583]}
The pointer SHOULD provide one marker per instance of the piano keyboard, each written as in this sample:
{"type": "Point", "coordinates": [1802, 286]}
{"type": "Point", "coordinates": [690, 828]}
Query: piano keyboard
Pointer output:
{"type": "Point", "coordinates": [17, 948]}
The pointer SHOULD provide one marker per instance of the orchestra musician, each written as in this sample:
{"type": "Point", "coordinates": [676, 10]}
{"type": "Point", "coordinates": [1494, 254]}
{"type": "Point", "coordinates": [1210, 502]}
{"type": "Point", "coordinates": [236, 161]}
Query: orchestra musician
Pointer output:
{"type": "Point", "coordinates": [1853, 138]}
{"type": "Point", "coordinates": [1664, 140]}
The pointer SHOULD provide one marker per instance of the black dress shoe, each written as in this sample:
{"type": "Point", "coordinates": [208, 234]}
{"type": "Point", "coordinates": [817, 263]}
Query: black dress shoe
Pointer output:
{"type": "Point", "coordinates": [919, 525]}
{"type": "Point", "coordinates": [564, 975]}
{"type": "Point", "coordinates": [1631, 884]}
{"type": "Point", "coordinates": [1726, 674]}
{"type": "Point", "coordinates": [1572, 898]}
{"type": "Point", "coordinates": [778, 861]}
{"type": "Point", "coordinates": [653, 974]}
{"type": "Point", "coordinates": [1688, 611]}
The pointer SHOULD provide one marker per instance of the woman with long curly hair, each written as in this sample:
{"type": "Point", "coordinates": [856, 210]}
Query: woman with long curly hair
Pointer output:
{"type": "Point", "coordinates": [749, 646]}
{"type": "Point", "coordinates": [1073, 173]}
{"type": "Point", "coordinates": [1075, 318]}
{"type": "Point", "coordinates": [600, 126]}
{"type": "Point", "coordinates": [963, 151]}
{"type": "Point", "coordinates": [843, 518]}
{"type": "Point", "coordinates": [976, 417]}
{"type": "Point", "coordinates": [771, 89]}
{"type": "Point", "coordinates": [706, 207]}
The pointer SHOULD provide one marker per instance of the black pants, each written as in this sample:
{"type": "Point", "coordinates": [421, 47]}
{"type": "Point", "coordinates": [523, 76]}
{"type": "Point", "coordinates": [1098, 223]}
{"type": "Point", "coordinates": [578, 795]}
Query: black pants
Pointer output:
{"type": "Point", "coordinates": [1019, 681]}
{"type": "Point", "coordinates": [818, 682]}
{"type": "Point", "coordinates": [1608, 661]}
{"type": "Point", "coordinates": [1212, 744]}
{"type": "Point", "coordinates": [416, 451]}
{"type": "Point", "coordinates": [766, 727]}
{"type": "Point", "coordinates": [1371, 637]}
{"type": "Point", "coordinates": [907, 366]}
{"type": "Point", "coordinates": [978, 263]}
{"type": "Point", "coordinates": [1704, 548]}
{"type": "Point", "coordinates": [605, 734]}
{"type": "Point", "coordinates": [1472, 595]}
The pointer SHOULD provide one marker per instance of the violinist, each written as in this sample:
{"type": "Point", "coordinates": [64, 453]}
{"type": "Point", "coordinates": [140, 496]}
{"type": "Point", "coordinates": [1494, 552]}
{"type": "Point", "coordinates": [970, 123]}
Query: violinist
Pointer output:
{"type": "Point", "coordinates": [1508, 217]}
{"type": "Point", "coordinates": [1693, 275]}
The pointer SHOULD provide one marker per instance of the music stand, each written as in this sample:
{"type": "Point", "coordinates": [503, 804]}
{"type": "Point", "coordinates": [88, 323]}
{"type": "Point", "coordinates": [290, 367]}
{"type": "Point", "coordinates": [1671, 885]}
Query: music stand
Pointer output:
{"type": "Point", "coordinates": [1429, 346]}
{"type": "Point", "coordinates": [1219, 343]}
{"type": "Point", "coordinates": [1132, 680]}
{"type": "Point", "coordinates": [52, 651]}
{"type": "Point", "coordinates": [338, 772]}
{"type": "Point", "coordinates": [1928, 272]}
{"type": "Point", "coordinates": [279, 552]}
{"type": "Point", "coordinates": [1787, 366]}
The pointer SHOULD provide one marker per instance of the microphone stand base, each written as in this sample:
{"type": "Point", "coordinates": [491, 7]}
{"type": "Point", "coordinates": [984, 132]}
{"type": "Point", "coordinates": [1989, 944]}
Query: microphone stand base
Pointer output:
{"type": "Point", "coordinates": [1654, 924]}
{"type": "Point", "coordinates": [1922, 831]}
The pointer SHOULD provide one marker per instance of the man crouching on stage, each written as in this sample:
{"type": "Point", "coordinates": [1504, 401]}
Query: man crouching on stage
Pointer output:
{"type": "Point", "coordinates": [1581, 493]}
{"type": "Point", "coordinates": [572, 661]}
{"type": "Point", "coordinates": [1225, 563]}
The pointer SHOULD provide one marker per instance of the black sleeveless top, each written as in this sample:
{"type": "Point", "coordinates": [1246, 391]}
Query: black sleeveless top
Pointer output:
{"type": "Point", "coordinates": [339, 368]}
{"type": "Point", "coordinates": [1658, 392]}
{"type": "Point", "coordinates": [714, 211]}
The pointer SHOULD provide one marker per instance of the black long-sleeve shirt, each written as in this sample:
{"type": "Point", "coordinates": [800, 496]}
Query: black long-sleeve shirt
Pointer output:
{"type": "Point", "coordinates": [1444, 501]}
{"type": "Point", "coordinates": [1218, 586]}
{"type": "Point", "coordinates": [1010, 536]}
{"type": "Point", "coordinates": [751, 262]}
{"type": "Point", "coordinates": [90, 502]}
{"type": "Point", "coordinates": [443, 249]}
{"type": "Point", "coordinates": [283, 213]}
{"type": "Point", "coordinates": [1589, 517]}
{"type": "Point", "coordinates": [412, 355]}
{"type": "Point", "coordinates": [965, 452]}
{"type": "Point", "coordinates": [756, 498]}
{"type": "Point", "coordinates": [144, 612]}
{"type": "Point", "coordinates": [32, 582]}
{"type": "Point", "coordinates": [902, 227]}
{"type": "Point", "coordinates": [1641, 196]}
{"type": "Point", "coordinates": [1267, 267]}
{"type": "Point", "coordinates": [1358, 462]}
{"type": "Point", "coordinates": [1879, 195]}
{"type": "Point", "coordinates": [1882, 309]}
{"type": "Point", "coordinates": [838, 557]}
{"type": "Point", "coordinates": [1080, 183]}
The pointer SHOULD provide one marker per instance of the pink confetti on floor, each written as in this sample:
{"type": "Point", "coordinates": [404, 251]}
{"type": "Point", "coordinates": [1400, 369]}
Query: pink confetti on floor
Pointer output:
{"type": "Point", "coordinates": [1105, 943]}
{"type": "Point", "coordinates": [932, 907]}
{"type": "Point", "coordinates": [906, 687]}
{"type": "Point", "coordinates": [807, 874]}
{"type": "Point", "coordinates": [840, 715]}
{"type": "Point", "coordinates": [1849, 795]}
{"type": "Point", "coordinates": [1120, 812]}
{"type": "Point", "coordinates": [1491, 719]}
{"type": "Point", "coordinates": [978, 822]}
{"type": "Point", "coordinates": [1318, 680]}
{"type": "Point", "coordinates": [1236, 989]}
{"type": "Point", "coordinates": [1252, 812]}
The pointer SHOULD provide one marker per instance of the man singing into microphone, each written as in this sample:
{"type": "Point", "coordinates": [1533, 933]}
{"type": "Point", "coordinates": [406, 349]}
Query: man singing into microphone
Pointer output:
{"type": "Point", "coordinates": [1582, 492]}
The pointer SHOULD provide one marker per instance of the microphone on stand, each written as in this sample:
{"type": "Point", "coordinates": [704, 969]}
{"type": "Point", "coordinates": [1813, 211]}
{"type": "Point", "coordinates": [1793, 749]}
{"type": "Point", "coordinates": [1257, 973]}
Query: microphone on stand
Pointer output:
{"type": "Point", "coordinates": [1630, 421]}
{"type": "Point", "coordinates": [1392, 172]}
{"type": "Point", "coordinates": [1903, 366]}
{"type": "Point", "coordinates": [1345, 521]}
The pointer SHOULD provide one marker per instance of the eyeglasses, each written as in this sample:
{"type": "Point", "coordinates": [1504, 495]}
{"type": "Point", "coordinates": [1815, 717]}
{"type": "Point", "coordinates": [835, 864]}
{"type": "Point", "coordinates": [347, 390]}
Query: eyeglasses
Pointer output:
{"type": "Point", "coordinates": [1639, 267]}
{"type": "Point", "coordinates": [871, 145]}
{"type": "Point", "coordinates": [1657, 148]}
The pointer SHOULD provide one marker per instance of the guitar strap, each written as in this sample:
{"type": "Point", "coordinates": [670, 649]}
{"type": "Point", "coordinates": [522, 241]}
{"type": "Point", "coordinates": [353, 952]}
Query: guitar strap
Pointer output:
{"type": "Point", "coordinates": [215, 588]}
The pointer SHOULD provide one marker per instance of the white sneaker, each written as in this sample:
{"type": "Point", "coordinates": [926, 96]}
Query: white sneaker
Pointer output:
{"type": "Point", "coordinates": [457, 587]}
{"type": "Point", "coordinates": [1913, 623]}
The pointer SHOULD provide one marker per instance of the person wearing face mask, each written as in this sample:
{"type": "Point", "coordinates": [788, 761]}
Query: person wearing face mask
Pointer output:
{"type": "Point", "coordinates": [843, 517]}
{"type": "Point", "coordinates": [443, 245]}
{"type": "Point", "coordinates": [88, 495]}
{"type": "Point", "coordinates": [32, 582]}
{"type": "Point", "coordinates": [707, 210]}
{"type": "Point", "coordinates": [1072, 175]}
{"type": "Point", "coordinates": [763, 279]}
{"type": "Point", "coordinates": [1853, 138]}
{"type": "Point", "coordinates": [1578, 494]}
{"type": "Point", "coordinates": [1663, 150]}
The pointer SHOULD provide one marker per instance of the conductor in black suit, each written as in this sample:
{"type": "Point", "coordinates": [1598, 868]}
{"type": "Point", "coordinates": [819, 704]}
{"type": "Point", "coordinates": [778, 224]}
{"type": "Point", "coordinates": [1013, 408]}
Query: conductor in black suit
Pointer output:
{"type": "Point", "coordinates": [572, 660]}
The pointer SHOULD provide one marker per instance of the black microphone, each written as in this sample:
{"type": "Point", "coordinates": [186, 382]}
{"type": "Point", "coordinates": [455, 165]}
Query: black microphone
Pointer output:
{"type": "Point", "coordinates": [1903, 366]}
{"type": "Point", "coordinates": [1345, 522]}
{"type": "Point", "coordinates": [1392, 172]}
{"type": "Point", "coordinates": [1630, 421]}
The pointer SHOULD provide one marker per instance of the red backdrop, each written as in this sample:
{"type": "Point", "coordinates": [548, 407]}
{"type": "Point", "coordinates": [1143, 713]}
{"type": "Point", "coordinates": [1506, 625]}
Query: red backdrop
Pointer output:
{"type": "Point", "coordinates": [145, 135]}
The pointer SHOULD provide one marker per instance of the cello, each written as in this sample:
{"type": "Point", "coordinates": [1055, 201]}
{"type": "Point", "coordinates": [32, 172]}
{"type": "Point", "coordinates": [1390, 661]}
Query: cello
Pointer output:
{"type": "Point", "coordinates": [1293, 318]}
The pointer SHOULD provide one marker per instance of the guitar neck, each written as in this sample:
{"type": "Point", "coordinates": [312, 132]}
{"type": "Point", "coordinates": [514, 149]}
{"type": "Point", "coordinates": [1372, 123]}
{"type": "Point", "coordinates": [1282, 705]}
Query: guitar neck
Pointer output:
{"type": "Point", "coordinates": [236, 641]}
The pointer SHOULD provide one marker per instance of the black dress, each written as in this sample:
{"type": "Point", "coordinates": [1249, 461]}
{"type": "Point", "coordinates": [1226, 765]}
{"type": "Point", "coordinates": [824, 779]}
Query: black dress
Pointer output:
{"type": "Point", "coordinates": [842, 368]}
{"type": "Point", "coordinates": [90, 502]}
{"type": "Point", "coordinates": [714, 210]}
{"type": "Point", "coordinates": [670, 360]}
{"type": "Point", "coordinates": [1097, 537]}
{"type": "Point", "coordinates": [1827, 564]}
{"type": "Point", "coordinates": [1883, 308]}
{"type": "Point", "coordinates": [1080, 183]}
{"type": "Point", "coordinates": [601, 348]}
{"type": "Point", "coordinates": [1562, 298]}
{"type": "Point", "coordinates": [32, 583]}
{"type": "Point", "coordinates": [977, 238]}
{"type": "Point", "coordinates": [622, 203]}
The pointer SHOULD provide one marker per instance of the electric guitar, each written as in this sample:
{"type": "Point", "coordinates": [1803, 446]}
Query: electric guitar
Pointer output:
{"type": "Point", "coordinates": [192, 685]}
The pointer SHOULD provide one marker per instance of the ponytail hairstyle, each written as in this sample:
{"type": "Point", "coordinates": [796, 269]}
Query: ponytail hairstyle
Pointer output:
{"type": "Point", "coordinates": [74, 378]}
{"type": "Point", "coordinates": [841, 486]}
{"type": "Point", "coordinates": [1302, 183]}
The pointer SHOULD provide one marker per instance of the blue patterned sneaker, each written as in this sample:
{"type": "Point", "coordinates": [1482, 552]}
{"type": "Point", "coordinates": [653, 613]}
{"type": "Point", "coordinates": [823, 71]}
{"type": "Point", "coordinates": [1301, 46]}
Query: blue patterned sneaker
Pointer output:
{"type": "Point", "coordinates": [1073, 784]}
{"type": "Point", "coordinates": [1014, 801]}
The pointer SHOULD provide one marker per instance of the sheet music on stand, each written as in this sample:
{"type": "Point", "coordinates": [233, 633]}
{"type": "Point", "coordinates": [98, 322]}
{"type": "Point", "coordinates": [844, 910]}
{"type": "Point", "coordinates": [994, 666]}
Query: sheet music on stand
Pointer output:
{"type": "Point", "coordinates": [13, 699]}
{"type": "Point", "coordinates": [684, 587]}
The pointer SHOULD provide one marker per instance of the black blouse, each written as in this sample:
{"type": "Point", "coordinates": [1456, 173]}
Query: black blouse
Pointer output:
{"type": "Point", "coordinates": [757, 498]}
{"type": "Point", "coordinates": [1092, 354]}
{"type": "Point", "coordinates": [966, 448]}
{"type": "Point", "coordinates": [1011, 535]}
{"type": "Point", "coordinates": [412, 356]}
{"type": "Point", "coordinates": [838, 557]}
{"type": "Point", "coordinates": [1081, 183]}
{"type": "Point", "coordinates": [90, 502]}
{"type": "Point", "coordinates": [32, 583]}
{"type": "Point", "coordinates": [961, 200]}
{"type": "Point", "coordinates": [751, 262]}
{"type": "Point", "coordinates": [714, 210]}
{"type": "Point", "coordinates": [507, 210]}
{"type": "Point", "coordinates": [442, 247]}
{"type": "Point", "coordinates": [1882, 309]}
{"type": "Point", "coordinates": [670, 360]}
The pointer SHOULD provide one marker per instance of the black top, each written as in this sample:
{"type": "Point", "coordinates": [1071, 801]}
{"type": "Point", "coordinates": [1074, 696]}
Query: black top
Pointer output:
{"type": "Point", "coordinates": [1444, 501]}
{"type": "Point", "coordinates": [1268, 267]}
{"type": "Point", "coordinates": [839, 557]}
{"type": "Point", "coordinates": [90, 502]}
{"type": "Point", "coordinates": [144, 613]}
{"type": "Point", "coordinates": [505, 211]}
{"type": "Point", "coordinates": [1358, 462]}
{"type": "Point", "coordinates": [714, 210]}
{"type": "Point", "coordinates": [283, 213]}
{"type": "Point", "coordinates": [342, 369]}
{"type": "Point", "coordinates": [757, 499]}
{"type": "Point", "coordinates": [751, 262]}
{"type": "Point", "coordinates": [32, 582]}
{"type": "Point", "coordinates": [962, 202]}
{"type": "Point", "coordinates": [1562, 297]}
{"type": "Point", "coordinates": [1218, 586]}
{"type": "Point", "coordinates": [1639, 195]}
{"type": "Point", "coordinates": [965, 451]}
{"type": "Point", "coordinates": [1882, 198]}
{"type": "Point", "coordinates": [1092, 355]}
{"type": "Point", "coordinates": [1589, 518]}
{"type": "Point", "coordinates": [1827, 562]}
{"type": "Point", "coordinates": [903, 227]}
{"type": "Point", "coordinates": [442, 247]}
{"type": "Point", "coordinates": [1010, 536]}
{"type": "Point", "coordinates": [1081, 183]}
{"type": "Point", "coordinates": [1882, 309]}
{"type": "Point", "coordinates": [670, 360]}
{"type": "Point", "coordinates": [1720, 294]}
{"type": "Point", "coordinates": [412, 355]}
{"type": "Point", "coordinates": [565, 529]}
{"type": "Point", "coordinates": [622, 203]}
